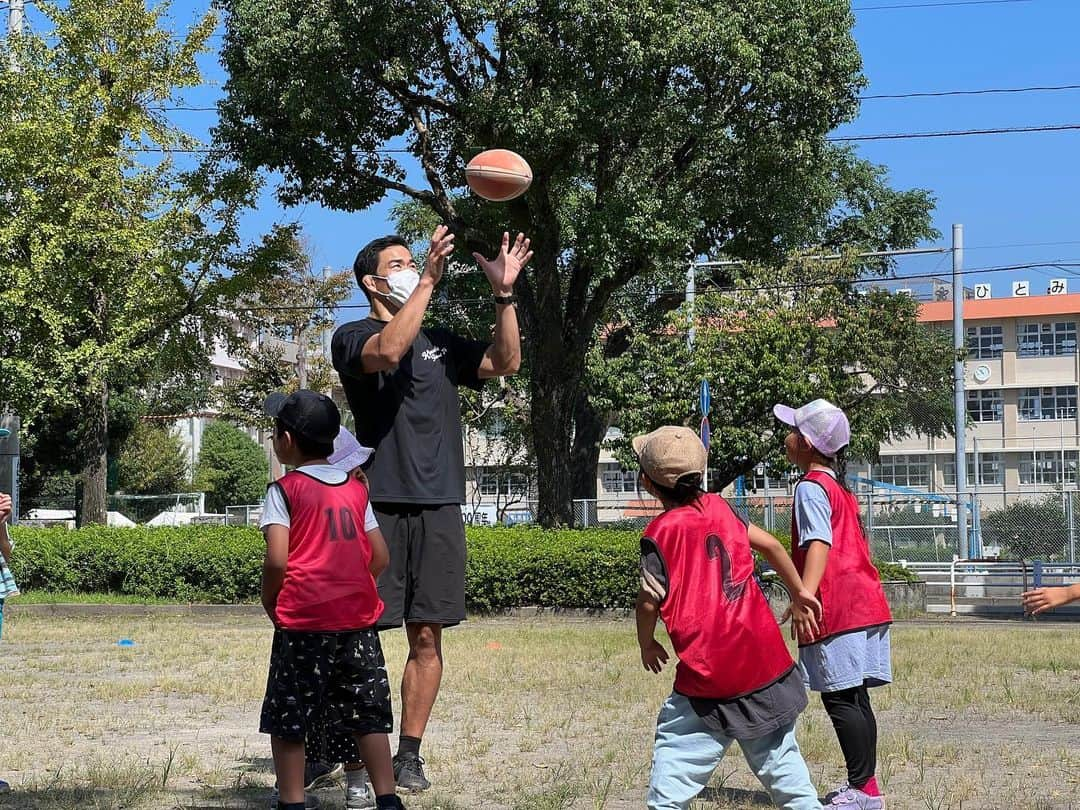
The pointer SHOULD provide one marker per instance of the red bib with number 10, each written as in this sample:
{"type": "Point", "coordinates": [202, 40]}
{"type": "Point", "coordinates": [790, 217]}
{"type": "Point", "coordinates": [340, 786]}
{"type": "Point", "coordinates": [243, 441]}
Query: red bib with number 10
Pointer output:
{"type": "Point", "coordinates": [327, 586]}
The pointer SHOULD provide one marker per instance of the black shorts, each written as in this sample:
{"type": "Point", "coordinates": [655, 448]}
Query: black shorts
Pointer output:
{"type": "Point", "coordinates": [425, 581]}
{"type": "Point", "coordinates": [326, 683]}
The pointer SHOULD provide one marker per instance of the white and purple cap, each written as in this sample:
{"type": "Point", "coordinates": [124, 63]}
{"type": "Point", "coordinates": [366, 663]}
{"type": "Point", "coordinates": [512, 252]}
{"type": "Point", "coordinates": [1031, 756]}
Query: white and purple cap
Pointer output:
{"type": "Point", "coordinates": [823, 424]}
{"type": "Point", "coordinates": [348, 452]}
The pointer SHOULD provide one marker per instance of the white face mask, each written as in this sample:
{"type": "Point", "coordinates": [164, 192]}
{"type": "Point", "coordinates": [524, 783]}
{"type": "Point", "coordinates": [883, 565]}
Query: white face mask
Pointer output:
{"type": "Point", "coordinates": [402, 284]}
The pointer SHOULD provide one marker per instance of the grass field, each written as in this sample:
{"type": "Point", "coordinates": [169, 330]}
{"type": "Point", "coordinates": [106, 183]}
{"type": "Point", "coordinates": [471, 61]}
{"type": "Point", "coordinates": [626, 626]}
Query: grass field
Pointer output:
{"type": "Point", "coordinates": [535, 715]}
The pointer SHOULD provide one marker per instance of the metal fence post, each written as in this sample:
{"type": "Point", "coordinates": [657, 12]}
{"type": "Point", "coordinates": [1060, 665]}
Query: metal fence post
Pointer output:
{"type": "Point", "coordinates": [1071, 503]}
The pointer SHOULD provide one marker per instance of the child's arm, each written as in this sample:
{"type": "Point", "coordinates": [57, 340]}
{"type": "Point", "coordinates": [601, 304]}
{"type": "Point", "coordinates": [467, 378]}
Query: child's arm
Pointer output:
{"type": "Point", "coordinates": [653, 654]}
{"type": "Point", "coordinates": [1042, 599]}
{"type": "Point", "coordinates": [277, 557]}
{"type": "Point", "coordinates": [380, 554]}
{"type": "Point", "coordinates": [817, 557]}
{"type": "Point", "coordinates": [5, 513]}
{"type": "Point", "coordinates": [805, 609]}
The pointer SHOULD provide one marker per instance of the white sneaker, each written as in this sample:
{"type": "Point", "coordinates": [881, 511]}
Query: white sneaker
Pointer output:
{"type": "Point", "coordinates": [310, 802]}
{"type": "Point", "coordinates": [361, 797]}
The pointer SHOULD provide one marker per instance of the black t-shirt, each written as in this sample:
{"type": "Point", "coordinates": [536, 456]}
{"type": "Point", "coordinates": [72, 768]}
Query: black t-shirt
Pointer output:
{"type": "Point", "coordinates": [411, 414]}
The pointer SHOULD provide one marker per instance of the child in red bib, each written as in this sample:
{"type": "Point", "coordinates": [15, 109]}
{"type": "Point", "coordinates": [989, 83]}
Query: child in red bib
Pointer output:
{"type": "Point", "coordinates": [323, 551]}
{"type": "Point", "coordinates": [849, 652]}
{"type": "Point", "coordinates": [735, 679]}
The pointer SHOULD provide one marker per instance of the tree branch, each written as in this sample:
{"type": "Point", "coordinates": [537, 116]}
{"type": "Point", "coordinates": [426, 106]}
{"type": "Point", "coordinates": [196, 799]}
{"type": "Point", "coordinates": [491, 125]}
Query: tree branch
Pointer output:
{"type": "Point", "coordinates": [603, 292]}
{"type": "Point", "coordinates": [456, 80]}
{"type": "Point", "coordinates": [472, 37]}
{"type": "Point", "coordinates": [407, 95]}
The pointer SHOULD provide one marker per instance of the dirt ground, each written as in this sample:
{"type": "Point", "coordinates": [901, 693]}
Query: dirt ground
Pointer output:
{"type": "Point", "coordinates": [535, 714]}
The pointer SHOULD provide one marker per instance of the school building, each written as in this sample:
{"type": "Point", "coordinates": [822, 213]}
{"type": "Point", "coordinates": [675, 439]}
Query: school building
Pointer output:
{"type": "Point", "coordinates": [1020, 380]}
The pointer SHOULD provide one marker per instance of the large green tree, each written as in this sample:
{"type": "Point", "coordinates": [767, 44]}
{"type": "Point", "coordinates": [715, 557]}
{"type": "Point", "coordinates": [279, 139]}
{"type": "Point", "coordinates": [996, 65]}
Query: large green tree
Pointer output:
{"type": "Point", "coordinates": [113, 261]}
{"type": "Point", "coordinates": [656, 131]}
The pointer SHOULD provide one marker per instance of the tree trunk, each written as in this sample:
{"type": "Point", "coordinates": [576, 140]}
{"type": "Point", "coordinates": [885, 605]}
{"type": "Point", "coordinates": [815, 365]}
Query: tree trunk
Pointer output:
{"type": "Point", "coordinates": [93, 452]}
{"type": "Point", "coordinates": [555, 382]}
{"type": "Point", "coordinates": [590, 427]}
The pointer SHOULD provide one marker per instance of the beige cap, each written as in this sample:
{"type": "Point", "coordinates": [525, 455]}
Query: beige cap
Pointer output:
{"type": "Point", "coordinates": [669, 453]}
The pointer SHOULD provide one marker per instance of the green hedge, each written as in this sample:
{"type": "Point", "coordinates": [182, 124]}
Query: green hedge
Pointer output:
{"type": "Point", "coordinates": [508, 567]}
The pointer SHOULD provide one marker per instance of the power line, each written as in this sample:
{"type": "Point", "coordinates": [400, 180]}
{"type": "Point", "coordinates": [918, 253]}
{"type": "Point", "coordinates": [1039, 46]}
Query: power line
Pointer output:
{"type": "Point", "coordinates": [711, 286]}
{"type": "Point", "coordinates": [956, 133]}
{"type": "Point", "coordinates": [939, 5]}
{"type": "Point", "coordinates": [983, 92]}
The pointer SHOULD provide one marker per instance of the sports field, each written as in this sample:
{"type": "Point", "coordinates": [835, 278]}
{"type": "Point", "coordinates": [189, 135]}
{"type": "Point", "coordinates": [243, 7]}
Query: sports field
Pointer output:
{"type": "Point", "coordinates": [539, 714]}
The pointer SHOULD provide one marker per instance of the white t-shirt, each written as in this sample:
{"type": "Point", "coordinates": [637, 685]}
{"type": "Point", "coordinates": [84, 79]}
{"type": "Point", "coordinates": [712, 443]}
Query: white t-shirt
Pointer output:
{"type": "Point", "coordinates": [275, 510]}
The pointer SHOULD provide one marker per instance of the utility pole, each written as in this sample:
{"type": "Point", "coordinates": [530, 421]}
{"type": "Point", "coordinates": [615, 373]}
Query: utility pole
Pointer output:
{"type": "Point", "coordinates": [14, 28]}
{"type": "Point", "coordinates": [15, 17]}
{"type": "Point", "coordinates": [959, 399]}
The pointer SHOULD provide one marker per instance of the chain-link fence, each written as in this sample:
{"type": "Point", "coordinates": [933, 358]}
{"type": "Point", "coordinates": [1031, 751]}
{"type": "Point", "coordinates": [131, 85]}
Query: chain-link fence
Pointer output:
{"type": "Point", "coordinates": [243, 515]}
{"type": "Point", "coordinates": [901, 526]}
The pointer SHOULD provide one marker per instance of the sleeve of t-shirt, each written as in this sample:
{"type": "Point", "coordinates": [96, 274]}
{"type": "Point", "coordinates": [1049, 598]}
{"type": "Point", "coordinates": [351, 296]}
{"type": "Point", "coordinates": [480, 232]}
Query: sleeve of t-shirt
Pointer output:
{"type": "Point", "coordinates": [275, 508]}
{"type": "Point", "coordinates": [369, 519]}
{"type": "Point", "coordinates": [813, 514]}
{"type": "Point", "coordinates": [347, 346]}
{"type": "Point", "coordinates": [654, 579]}
{"type": "Point", "coordinates": [468, 354]}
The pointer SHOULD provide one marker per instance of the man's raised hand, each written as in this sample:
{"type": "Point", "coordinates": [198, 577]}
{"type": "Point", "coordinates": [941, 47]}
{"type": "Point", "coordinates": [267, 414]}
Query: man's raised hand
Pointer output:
{"type": "Point", "coordinates": [502, 271]}
{"type": "Point", "coordinates": [442, 245]}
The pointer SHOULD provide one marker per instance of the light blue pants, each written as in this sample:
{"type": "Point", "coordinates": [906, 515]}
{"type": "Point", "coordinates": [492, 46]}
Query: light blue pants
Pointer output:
{"type": "Point", "coordinates": [686, 753]}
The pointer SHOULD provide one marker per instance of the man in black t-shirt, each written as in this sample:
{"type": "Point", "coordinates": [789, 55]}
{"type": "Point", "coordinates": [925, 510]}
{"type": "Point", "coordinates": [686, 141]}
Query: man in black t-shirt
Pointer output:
{"type": "Point", "coordinates": [401, 382]}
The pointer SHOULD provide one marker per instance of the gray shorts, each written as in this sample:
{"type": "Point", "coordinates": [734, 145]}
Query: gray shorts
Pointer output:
{"type": "Point", "coordinates": [425, 580]}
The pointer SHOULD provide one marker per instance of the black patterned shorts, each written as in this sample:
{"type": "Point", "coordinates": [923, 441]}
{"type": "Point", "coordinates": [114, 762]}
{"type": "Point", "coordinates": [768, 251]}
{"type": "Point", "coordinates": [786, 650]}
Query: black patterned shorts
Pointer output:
{"type": "Point", "coordinates": [326, 683]}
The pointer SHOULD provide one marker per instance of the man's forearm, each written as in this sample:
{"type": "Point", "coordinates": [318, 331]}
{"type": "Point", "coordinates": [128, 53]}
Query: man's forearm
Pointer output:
{"type": "Point", "coordinates": [506, 351]}
{"type": "Point", "coordinates": [398, 335]}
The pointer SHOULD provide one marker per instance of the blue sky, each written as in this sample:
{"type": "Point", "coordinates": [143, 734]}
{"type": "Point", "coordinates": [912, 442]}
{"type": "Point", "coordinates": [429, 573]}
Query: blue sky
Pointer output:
{"type": "Point", "coordinates": [1015, 194]}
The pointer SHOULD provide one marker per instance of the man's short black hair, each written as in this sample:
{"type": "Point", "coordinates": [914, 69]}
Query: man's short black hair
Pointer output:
{"type": "Point", "coordinates": [310, 449]}
{"type": "Point", "coordinates": [367, 260]}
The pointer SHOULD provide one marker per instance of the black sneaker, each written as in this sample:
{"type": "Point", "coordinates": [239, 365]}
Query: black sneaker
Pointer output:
{"type": "Point", "coordinates": [320, 775]}
{"type": "Point", "coordinates": [409, 773]}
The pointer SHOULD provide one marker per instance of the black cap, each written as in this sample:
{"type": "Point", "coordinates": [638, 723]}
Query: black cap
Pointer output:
{"type": "Point", "coordinates": [306, 413]}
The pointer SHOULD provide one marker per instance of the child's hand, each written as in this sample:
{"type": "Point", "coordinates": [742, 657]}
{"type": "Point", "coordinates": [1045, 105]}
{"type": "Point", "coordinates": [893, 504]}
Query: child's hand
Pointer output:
{"type": "Point", "coordinates": [1041, 600]}
{"type": "Point", "coordinates": [805, 613]}
{"type": "Point", "coordinates": [654, 656]}
{"type": "Point", "coordinates": [5, 507]}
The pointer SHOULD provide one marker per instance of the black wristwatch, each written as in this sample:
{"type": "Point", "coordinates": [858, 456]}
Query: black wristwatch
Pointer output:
{"type": "Point", "coordinates": [505, 299]}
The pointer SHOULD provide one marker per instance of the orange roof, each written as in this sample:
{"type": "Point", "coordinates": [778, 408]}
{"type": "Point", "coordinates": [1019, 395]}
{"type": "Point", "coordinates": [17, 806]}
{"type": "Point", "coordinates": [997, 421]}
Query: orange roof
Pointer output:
{"type": "Point", "coordinates": [998, 308]}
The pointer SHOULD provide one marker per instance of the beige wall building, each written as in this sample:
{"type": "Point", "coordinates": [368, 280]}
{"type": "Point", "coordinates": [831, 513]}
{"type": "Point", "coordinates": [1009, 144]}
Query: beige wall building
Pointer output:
{"type": "Point", "coordinates": [1021, 379]}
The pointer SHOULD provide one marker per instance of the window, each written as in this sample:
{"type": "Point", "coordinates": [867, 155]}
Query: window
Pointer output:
{"type": "Point", "coordinates": [984, 405]}
{"type": "Point", "coordinates": [1046, 339]}
{"type": "Point", "coordinates": [777, 482]}
{"type": "Point", "coordinates": [991, 470]}
{"type": "Point", "coordinates": [903, 471]}
{"type": "Point", "coordinates": [1049, 467]}
{"type": "Point", "coordinates": [503, 484]}
{"type": "Point", "coordinates": [985, 342]}
{"type": "Point", "coordinates": [1058, 402]}
{"type": "Point", "coordinates": [619, 480]}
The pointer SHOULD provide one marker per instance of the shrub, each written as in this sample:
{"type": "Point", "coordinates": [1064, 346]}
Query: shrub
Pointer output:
{"type": "Point", "coordinates": [507, 567]}
{"type": "Point", "coordinates": [151, 462]}
{"type": "Point", "coordinates": [232, 468]}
